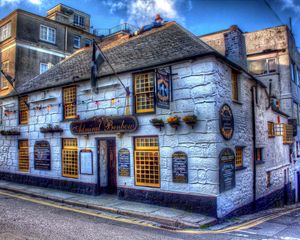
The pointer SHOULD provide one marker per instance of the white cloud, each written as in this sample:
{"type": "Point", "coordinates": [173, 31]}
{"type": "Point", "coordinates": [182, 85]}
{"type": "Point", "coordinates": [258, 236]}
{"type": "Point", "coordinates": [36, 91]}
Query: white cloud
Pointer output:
{"type": "Point", "coordinates": [16, 2]}
{"type": "Point", "coordinates": [291, 5]}
{"type": "Point", "coordinates": [141, 12]}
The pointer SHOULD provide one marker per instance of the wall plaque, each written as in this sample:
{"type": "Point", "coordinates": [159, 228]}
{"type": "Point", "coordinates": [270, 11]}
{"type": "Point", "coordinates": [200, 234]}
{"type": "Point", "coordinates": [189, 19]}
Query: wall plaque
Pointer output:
{"type": "Point", "coordinates": [124, 162]}
{"type": "Point", "coordinates": [42, 155]}
{"type": "Point", "coordinates": [163, 89]}
{"type": "Point", "coordinates": [226, 122]}
{"type": "Point", "coordinates": [180, 167]}
{"type": "Point", "coordinates": [86, 162]}
{"type": "Point", "coordinates": [227, 169]}
{"type": "Point", "coordinates": [104, 125]}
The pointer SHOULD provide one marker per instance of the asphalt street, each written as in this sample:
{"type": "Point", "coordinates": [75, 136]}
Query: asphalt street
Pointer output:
{"type": "Point", "coordinates": [22, 219]}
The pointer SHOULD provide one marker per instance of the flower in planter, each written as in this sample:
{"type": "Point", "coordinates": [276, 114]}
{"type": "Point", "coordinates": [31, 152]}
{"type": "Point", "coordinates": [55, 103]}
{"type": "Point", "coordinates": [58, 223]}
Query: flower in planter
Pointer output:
{"type": "Point", "coordinates": [50, 129]}
{"type": "Point", "coordinates": [157, 122]}
{"type": "Point", "coordinates": [190, 119]}
{"type": "Point", "coordinates": [174, 121]}
{"type": "Point", "coordinates": [11, 132]}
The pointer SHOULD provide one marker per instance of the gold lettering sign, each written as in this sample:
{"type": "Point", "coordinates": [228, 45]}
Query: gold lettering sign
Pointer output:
{"type": "Point", "coordinates": [98, 125]}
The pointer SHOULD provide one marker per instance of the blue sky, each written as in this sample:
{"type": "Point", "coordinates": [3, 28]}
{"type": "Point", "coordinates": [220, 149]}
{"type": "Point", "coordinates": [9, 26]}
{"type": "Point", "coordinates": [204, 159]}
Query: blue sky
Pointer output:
{"type": "Point", "coordinates": [199, 16]}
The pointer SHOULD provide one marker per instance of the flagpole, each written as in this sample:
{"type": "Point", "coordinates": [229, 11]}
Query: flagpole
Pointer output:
{"type": "Point", "coordinates": [11, 83]}
{"type": "Point", "coordinates": [105, 58]}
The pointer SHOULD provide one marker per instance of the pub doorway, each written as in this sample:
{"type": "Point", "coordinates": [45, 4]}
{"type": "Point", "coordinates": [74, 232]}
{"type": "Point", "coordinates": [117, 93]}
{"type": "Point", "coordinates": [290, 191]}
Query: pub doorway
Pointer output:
{"type": "Point", "coordinates": [107, 165]}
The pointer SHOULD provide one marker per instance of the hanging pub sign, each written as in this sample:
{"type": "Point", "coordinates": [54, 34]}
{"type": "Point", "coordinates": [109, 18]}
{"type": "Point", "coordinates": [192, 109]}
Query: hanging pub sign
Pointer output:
{"type": "Point", "coordinates": [163, 89]}
{"type": "Point", "coordinates": [227, 169]}
{"type": "Point", "coordinates": [226, 122]}
{"type": "Point", "coordinates": [293, 122]}
{"type": "Point", "coordinates": [124, 162]}
{"type": "Point", "coordinates": [86, 162]}
{"type": "Point", "coordinates": [104, 125]}
{"type": "Point", "coordinates": [42, 155]}
{"type": "Point", "coordinates": [180, 167]}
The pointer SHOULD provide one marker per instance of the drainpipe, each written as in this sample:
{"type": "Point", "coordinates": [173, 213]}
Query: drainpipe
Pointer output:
{"type": "Point", "coordinates": [253, 91]}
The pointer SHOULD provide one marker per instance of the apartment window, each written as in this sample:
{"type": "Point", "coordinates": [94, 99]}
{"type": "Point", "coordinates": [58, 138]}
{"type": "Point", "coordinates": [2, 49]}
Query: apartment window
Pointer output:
{"type": "Point", "coordinates": [69, 158]}
{"type": "Point", "coordinates": [69, 101]}
{"type": "Point", "coordinates": [23, 110]}
{"type": "Point", "coordinates": [23, 155]}
{"type": "Point", "coordinates": [239, 157]}
{"type": "Point", "coordinates": [235, 85]}
{"type": "Point", "coordinates": [5, 32]}
{"type": "Point", "coordinates": [263, 66]}
{"type": "Point", "coordinates": [87, 42]}
{"type": "Point", "coordinates": [3, 80]}
{"type": "Point", "coordinates": [146, 161]}
{"type": "Point", "coordinates": [76, 42]}
{"type": "Point", "coordinates": [144, 92]}
{"type": "Point", "coordinates": [44, 67]}
{"type": "Point", "coordinates": [78, 20]}
{"type": "Point", "coordinates": [278, 127]}
{"type": "Point", "coordinates": [259, 152]}
{"type": "Point", "coordinates": [47, 34]}
{"type": "Point", "coordinates": [271, 130]}
{"type": "Point", "coordinates": [288, 137]}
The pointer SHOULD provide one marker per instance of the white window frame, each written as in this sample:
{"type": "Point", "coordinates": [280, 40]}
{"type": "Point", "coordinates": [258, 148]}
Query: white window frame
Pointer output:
{"type": "Point", "coordinates": [266, 69]}
{"type": "Point", "coordinates": [5, 31]}
{"type": "Point", "coordinates": [77, 43]}
{"type": "Point", "coordinates": [44, 67]}
{"type": "Point", "coordinates": [78, 20]}
{"type": "Point", "coordinates": [3, 81]}
{"type": "Point", "coordinates": [48, 30]}
{"type": "Point", "coordinates": [86, 41]}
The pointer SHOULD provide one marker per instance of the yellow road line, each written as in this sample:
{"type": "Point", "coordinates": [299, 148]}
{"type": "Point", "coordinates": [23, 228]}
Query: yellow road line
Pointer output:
{"type": "Point", "coordinates": [239, 227]}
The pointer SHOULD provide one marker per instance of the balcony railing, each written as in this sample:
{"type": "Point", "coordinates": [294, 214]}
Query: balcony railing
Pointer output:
{"type": "Point", "coordinates": [125, 27]}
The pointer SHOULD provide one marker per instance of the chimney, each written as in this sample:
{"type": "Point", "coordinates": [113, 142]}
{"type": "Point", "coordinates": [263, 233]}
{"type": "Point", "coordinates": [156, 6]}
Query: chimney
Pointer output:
{"type": "Point", "coordinates": [235, 47]}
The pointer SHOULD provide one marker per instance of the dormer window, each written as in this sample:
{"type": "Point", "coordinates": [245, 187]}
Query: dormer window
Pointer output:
{"type": "Point", "coordinates": [78, 20]}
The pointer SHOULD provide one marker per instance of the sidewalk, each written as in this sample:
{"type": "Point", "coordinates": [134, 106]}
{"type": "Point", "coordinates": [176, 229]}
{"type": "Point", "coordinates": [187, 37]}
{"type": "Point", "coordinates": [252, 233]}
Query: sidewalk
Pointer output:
{"type": "Point", "coordinates": [164, 216]}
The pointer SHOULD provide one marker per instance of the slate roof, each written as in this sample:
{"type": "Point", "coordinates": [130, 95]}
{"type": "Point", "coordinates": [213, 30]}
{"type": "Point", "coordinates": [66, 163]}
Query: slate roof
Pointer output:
{"type": "Point", "coordinates": [168, 43]}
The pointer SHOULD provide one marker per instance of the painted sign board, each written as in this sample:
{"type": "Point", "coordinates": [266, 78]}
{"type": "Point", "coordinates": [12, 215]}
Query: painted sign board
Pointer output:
{"type": "Point", "coordinates": [124, 162]}
{"type": "Point", "coordinates": [227, 169]}
{"type": "Point", "coordinates": [42, 155]}
{"type": "Point", "coordinates": [104, 125]}
{"type": "Point", "coordinates": [86, 162]}
{"type": "Point", "coordinates": [163, 89]}
{"type": "Point", "coordinates": [226, 122]}
{"type": "Point", "coordinates": [180, 167]}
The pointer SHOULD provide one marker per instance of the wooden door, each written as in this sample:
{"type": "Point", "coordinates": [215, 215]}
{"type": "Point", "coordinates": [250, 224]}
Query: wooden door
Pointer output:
{"type": "Point", "coordinates": [112, 168]}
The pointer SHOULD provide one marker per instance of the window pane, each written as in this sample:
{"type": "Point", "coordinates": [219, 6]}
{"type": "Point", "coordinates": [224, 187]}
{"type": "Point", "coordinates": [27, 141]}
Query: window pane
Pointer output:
{"type": "Point", "coordinates": [272, 66]}
{"type": "Point", "coordinates": [23, 156]}
{"type": "Point", "coordinates": [23, 110]}
{"type": "Point", "coordinates": [239, 157]}
{"type": "Point", "coordinates": [43, 67]}
{"type": "Point", "coordinates": [70, 108]}
{"type": "Point", "coordinates": [76, 42]}
{"type": "Point", "coordinates": [257, 67]}
{"type": "Point", "coordinates": [70, 158]}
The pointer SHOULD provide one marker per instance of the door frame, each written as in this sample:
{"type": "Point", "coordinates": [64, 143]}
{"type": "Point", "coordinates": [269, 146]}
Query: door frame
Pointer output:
{"type": "Point", "coordinates": [98, 160]}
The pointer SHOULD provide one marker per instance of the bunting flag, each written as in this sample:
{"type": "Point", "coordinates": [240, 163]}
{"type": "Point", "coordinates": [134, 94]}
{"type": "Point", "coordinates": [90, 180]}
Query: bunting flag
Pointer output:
{"type": "Point", "coordinates": [97, 60]}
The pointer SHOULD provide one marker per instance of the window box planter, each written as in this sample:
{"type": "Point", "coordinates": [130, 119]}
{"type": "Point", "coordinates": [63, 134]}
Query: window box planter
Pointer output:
{"type": "Point", "coordinates": [190, 120]}
{"type": "Point", "coordinates": [174, 121]}
{"type": "Point", "coordinates": [50, 129]}
{"type": "Point", "coordinates": [158, 123]}
{"type": "Point", "coordinates": [10, 132]}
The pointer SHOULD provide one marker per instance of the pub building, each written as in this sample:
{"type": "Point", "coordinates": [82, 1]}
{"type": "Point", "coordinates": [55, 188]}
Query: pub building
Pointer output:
{"type": "Point", "coordinates": [193, 133]}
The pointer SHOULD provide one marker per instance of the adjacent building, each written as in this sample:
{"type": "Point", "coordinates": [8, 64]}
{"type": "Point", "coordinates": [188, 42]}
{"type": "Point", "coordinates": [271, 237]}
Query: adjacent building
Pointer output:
{"type": "Point", "coordinates": [197, 132]}
{"type": "Point", "coordinates": [31, 44]}
{"type": "Point", "coordinates": [273, 58]}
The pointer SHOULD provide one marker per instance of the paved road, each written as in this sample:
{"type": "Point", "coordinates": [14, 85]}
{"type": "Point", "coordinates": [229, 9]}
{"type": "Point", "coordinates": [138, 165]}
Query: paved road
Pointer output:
{"type": "Point", "coordinates": [21, 219]}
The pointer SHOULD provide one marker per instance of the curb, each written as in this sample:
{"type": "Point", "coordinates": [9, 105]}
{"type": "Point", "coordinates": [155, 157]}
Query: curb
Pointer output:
{"type": "Point", "coordinates": [161, 221]}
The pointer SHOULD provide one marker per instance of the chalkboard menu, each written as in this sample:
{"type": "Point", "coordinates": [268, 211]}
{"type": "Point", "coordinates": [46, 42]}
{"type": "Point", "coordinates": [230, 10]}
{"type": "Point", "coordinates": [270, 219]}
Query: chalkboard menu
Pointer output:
{"type": "Point", "coordinates": [180, 167]}
{"type": "Point", "coordinates": [226, 122]}
{"type": "Point", "coordinates": [124, 162]}
{"type": "Point", "coordinates": [227, 169]}
{"type": "Point", "coordinates": [42, 155]}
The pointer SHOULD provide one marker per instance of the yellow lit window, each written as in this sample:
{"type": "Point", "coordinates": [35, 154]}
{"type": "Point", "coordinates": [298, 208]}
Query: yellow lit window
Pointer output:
{"type": "Point", "coordinates": [23, 156]}
{"type": "Point", "coordinates": [279, 127]}
{"type": "Point", "coordinates": [238, 157]}
{"type": "Point", "coordinates": [3, 81]}
{"type": "Point", "coordinates": [288, 137]}
{"type": "Point", "coordinates": [271, 130]}
{"type": "Point", "coordinates": [147, 162]}
{"type": "Point", "coordinates": [144, 92]}
{"type": "Point", "coordinates": [70, 108]}
{"type": "Point", "coordinates": [235, 85]}
{"type": "Point", "coordinates": [258, 154]}
{"type": "Point", "coordinates": [23, 113]}
{"type": "Point", "coordinates": [70, 158]}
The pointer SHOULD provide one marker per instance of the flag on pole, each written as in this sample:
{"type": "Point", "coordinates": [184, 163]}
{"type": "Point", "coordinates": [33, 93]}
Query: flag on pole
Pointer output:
{"type": "Point", "coordinates": [97, 60]}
